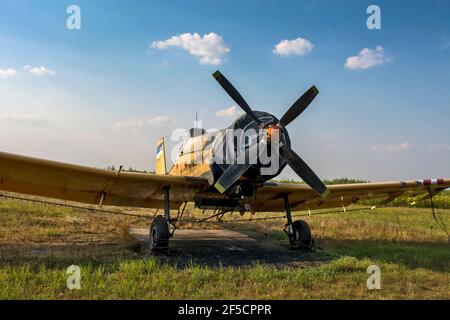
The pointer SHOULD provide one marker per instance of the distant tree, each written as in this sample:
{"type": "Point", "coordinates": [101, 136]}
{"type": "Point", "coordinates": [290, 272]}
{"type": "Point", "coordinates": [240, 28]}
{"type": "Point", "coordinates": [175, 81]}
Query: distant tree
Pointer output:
{"type": "Point", "coordinates": [289, 181]}
{"type": "Point", "coordinates": [344, 181]}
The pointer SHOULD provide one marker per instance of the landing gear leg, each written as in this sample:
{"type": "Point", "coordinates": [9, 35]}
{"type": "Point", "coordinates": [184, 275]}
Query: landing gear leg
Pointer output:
{"type": "Point", "coordinates": [288, 228]}
{"type": "Point", "coordinates": [159, 230]}
{"type": "Point", "coordinates": [298, 232]}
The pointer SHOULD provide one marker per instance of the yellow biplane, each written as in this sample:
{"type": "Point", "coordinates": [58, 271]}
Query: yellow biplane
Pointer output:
{"type": "Point", "coordinates": [197, 177]}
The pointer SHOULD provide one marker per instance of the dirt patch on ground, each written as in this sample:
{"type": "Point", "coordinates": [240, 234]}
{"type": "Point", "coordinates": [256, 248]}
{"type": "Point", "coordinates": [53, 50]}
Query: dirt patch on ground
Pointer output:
{"type": "Point", "coordinates": [221, 247]}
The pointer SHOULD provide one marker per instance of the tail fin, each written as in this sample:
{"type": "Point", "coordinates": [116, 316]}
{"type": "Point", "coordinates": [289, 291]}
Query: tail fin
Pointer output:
{"type": "Point", "coordinates": [160, 167]}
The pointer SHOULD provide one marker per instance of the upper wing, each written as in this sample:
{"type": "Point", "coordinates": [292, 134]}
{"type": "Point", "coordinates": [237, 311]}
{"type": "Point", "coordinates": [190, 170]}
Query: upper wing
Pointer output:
{"type": "Point", "coordinates": [302, 197]}
{"type": "Point", "coordinates": [94, 186]}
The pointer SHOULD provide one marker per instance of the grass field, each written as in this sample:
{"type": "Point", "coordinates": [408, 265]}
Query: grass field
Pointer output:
{"type": "Point", "coordinates": [440, 201]}
{"type": "Point", "coordinates": [38, 242]}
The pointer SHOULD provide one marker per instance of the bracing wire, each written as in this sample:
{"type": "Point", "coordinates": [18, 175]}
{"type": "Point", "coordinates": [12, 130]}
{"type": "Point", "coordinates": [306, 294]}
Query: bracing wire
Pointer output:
{"type": "Point", "coordinates": [184, 220]}
{"type": "Point", "coordinates": [440, 223]}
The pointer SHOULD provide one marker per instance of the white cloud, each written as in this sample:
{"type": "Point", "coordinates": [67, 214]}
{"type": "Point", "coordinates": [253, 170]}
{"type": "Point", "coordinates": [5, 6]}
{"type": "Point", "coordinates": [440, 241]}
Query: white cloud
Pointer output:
{"type": "Point", "coordinates": [210, 48]}
{"type": "Point", "coordinates": [328, 137]}
{"type": "Point", "coordinates": [161, 63]}
{"type": "Point", "coordinates": [158, 120]}
{"type": "Point", "coordinates": [130, 123]}
{"type": "Point", "coordinates": [367, 58]}
{"type": "Point", "coordinates": [23, 118]}
{"type": "Point", "coordinates": [138, 123]}
{"type": "Point", "coordinates": [445, 42]}
{"type": "Point", "coordinates": [39, 71]}
{"type": "Point", "coordinates": [391, 147]}
{"type": "Point", "coordinates": [7, 73]}
{"type": "Point", "coordinates": [230, 112]}
{"type": "Point", "coordinates": [439, 147]}
{"type": "Point", "coordinates": [299, 46]}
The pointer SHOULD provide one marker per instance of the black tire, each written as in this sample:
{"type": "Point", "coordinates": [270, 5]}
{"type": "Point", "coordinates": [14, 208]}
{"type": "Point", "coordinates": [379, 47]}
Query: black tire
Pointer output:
{"type": "Point", "coordinates": [159, 235]}
{"type": "Point", "coordinates": [302, 238]}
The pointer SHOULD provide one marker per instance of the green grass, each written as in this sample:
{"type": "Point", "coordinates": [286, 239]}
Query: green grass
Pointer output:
{"type": "Point", "coordinates": [146, 278]}
{"type": "Point", "coordinates": [38, 243]}
{"type": "Point", "coordinates": [440, 201]}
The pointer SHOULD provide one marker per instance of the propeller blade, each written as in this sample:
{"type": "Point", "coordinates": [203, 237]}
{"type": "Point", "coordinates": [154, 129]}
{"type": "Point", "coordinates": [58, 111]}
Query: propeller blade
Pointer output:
{"type": "Point", "coordinates": [235, 171]}
{"type": "Point", "coordinates": [230, 176]}
{"type": "Point", "coordinates": [303, 170]}
{"type": "Point", "coordinates": [235, 95]}
{"type": "Point", "coordinates": [299, 106]}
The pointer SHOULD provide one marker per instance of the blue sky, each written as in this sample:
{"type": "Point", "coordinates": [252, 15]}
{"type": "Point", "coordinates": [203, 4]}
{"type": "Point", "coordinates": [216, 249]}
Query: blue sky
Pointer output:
{"type": "Point", "coordinates": [103, 94]}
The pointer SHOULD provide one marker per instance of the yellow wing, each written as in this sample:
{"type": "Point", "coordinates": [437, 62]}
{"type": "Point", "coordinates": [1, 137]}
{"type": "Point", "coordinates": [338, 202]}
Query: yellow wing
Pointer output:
{"type": "Point", "coordinates": [301, 197]}
{"type": "Point", "coordinates": [93, 186]}
{"type": "Point", "coordinates": [96, 186]}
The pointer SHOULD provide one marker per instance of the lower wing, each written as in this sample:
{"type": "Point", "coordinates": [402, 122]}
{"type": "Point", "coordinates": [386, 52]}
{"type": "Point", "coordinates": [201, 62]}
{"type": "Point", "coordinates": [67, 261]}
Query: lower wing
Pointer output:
{"type": "Point", "coordinates": [93, 186]}
{"type": "Point", "coordinates": [301, 197]}
{"type": "Point", "coordinates": [130, 189]}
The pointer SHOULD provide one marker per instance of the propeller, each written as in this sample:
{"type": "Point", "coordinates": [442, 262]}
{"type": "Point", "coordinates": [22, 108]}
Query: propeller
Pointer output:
{"type": "Point", "coordinates": [299, 106]}
{"type": "Point", "coordinates": [235, 95]}
{"type": "Point", "coordinates": [303, 170]}
{"type": "Point", "coordinates": [234, 172]}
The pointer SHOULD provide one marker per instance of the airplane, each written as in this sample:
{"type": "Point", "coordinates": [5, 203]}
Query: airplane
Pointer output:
{"type": "Point", "coordinates": [197, 177]}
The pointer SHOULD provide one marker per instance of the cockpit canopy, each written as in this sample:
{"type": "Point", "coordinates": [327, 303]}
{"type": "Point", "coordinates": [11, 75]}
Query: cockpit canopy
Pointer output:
{"type": "Point", "coordinates": [194, 140]}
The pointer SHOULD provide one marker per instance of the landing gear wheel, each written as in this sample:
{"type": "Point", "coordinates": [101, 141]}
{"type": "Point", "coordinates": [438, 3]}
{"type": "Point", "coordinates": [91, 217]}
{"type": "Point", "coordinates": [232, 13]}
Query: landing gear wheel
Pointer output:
{"type": "Point", "coordinates": [300, 238]}
{"type": "Point", "coordinates": [159, 235]}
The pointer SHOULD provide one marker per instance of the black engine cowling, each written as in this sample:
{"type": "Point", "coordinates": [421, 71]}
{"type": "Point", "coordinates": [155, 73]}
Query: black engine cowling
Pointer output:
{"type": "Point", "coordinates": [246, 132]}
